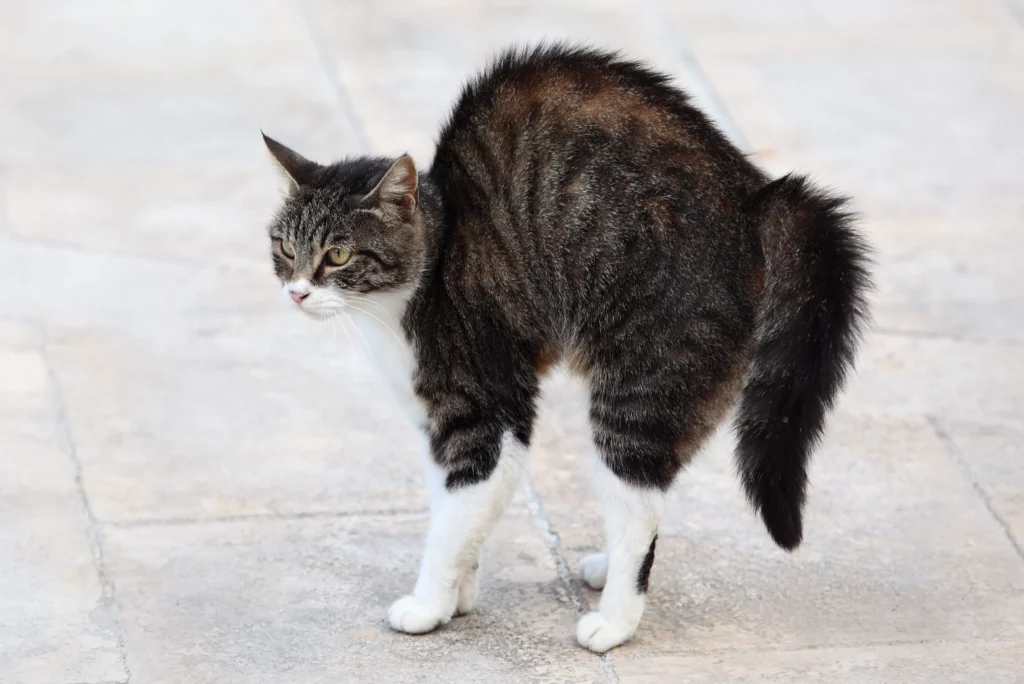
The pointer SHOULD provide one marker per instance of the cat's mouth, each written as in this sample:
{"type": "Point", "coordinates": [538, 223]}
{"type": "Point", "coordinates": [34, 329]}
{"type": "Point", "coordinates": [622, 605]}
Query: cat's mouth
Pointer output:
{"type": "Point", "coordinates": [313, 301]}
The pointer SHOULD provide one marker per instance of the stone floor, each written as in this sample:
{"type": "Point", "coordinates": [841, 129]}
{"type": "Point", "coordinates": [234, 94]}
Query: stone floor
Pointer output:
{"type": "Point", "coordinates": [196, 485]}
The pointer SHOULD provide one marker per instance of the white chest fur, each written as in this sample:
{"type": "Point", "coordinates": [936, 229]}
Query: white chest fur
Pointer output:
{"type": "Point", "coordinates": [378, 318]}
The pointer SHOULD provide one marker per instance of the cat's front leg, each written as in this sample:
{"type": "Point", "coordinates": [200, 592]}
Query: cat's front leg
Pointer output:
{"type": "Point", "coordinates": [467, 498]}
{"type": "Point", "coordinates": [436, 475]}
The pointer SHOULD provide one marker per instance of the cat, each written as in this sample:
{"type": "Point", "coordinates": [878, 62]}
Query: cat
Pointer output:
{"type": "Point", "coordinates": [579, 209]}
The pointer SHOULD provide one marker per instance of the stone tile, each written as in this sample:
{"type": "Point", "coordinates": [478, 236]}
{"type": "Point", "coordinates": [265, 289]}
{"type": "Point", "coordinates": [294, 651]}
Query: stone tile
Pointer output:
{"type": "Point", "coordinates": [935, 663]}
{"type": "Point", "coordinates": [913, 376]}
{"type": "Point", "coordinates": [923, 560]}
{"type": "Point", "coordinates": [207, 121]}
{"type": "Point", "coordinates": [162, 82]}
{"type": "Point", "coordinates": [791, 26]}
{"type": "Point", "coordinates": [958, 278]}
{"type": "Point", "coordinates": [215, 420]}
{"type": "Point", "coordinates": [855, 119]}
{"type": "Point", "coordinates": [995, 455]}
{"type": "Point", "coordinates": [56, 624]}
{"type": "Point", "coordinates": [306, 600]}
{"type": "Point", "coordinates": [404, 93]}
{"type": "Point", "coordinates": [76, 286]}
{"type": "Point", "coordinates": [193, 213]}
{"type": "Point", "coordinates": [174, 39]}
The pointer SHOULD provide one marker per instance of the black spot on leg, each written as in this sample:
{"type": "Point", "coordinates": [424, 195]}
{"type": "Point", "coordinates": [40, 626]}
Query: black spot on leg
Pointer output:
{"type": "Point", "coordinates": [645, 569]}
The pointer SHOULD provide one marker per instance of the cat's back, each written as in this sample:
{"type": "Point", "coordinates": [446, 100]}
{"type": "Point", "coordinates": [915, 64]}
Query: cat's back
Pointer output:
{"type": "Point", "coordinates": [554, 102]}
{"type": "Point", "coordinates": [571, 179]}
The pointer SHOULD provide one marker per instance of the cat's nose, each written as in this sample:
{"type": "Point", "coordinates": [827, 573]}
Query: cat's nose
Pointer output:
{"type": "Point", "coordinates": [297, 297]}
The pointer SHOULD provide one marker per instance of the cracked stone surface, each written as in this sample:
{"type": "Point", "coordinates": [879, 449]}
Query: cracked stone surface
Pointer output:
{"type": "Point", "coordinates": [198, 486]}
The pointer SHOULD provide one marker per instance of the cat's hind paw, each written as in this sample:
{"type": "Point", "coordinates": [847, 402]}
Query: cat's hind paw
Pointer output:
{"type": "Point", "coordinates": [468, 590]}
{"type": "Point", "coordinates": [599, 634]}
{"type": "Point", "coordinates": [594, 570]}
{"type": "Point", "coordinates": [414, 616]}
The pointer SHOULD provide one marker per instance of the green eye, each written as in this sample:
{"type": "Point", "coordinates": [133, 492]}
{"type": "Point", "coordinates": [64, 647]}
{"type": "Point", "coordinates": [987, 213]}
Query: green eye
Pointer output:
{"type": "Point", "coordinates": [288, 248]}
{"type": "Point", "coordinates": [336, 256]}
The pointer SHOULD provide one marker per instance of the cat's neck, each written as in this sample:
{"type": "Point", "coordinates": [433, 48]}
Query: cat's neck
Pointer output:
{"type": "Point", "coordinates": [432, 223]}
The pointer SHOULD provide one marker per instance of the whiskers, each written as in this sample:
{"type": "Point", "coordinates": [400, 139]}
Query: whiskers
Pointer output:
{"type": "Point", "coordinates": [329, 322]}
{"type": "Point", "coordinates": [341, 318]}
{"type": "Point", "coordinates": [363, 299]}
{"type": "Point", "coordinates": [352, 304]}
{"type": "Point", "coordinates": [334, 310]}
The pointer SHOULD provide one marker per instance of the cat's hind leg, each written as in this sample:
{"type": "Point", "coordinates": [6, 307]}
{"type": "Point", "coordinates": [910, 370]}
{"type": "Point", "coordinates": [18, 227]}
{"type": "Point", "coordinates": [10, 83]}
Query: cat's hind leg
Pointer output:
{"type": "Point", "coordinates": [656, 395]}
{"type": "Point", "coordinates": [631, 514]}
{"type": "Point", "coordinates": [594, 570]}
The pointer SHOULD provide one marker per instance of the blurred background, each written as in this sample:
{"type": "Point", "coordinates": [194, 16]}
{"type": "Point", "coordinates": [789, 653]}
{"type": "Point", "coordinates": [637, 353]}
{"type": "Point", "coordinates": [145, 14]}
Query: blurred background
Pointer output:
{"type": "Point", "coordinates": [199, 485]}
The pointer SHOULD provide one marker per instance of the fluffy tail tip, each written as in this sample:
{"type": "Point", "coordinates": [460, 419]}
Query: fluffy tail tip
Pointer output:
{"type": "Point", "coordinates": [783, 519]}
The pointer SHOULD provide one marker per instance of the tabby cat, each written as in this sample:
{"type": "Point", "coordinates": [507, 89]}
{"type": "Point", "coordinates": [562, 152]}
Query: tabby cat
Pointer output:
{"type": "Point", "coordinates": [579, 209]}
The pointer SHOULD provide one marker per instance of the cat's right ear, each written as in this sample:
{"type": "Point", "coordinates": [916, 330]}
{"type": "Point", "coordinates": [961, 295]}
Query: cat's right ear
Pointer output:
{"type": "Point", "coordinates": [297, 169]}
{"type": "Point", "coordinates": [398, 192]}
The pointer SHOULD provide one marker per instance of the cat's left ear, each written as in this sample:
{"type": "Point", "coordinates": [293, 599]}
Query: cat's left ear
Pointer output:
{"type": "Point", "coordinates": [398, 190]}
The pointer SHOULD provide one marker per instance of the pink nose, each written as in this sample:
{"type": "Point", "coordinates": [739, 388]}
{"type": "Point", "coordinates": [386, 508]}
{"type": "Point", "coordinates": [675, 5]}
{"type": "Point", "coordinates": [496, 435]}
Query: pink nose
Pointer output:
{"type": "Point", "coordinates": [297, 297]}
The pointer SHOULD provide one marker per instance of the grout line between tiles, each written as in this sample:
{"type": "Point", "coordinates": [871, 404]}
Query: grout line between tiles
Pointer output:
{"type": "Point", "coordinates": [572, 590]}
{"type": "Point", "coordinates": [352, 120]}
{"type": "Point", "coordinates": [247, 517]}
{"type": "Point", "coordinates": [701, 85]}
{"type": "Point", "coordinates": [954, 451]}
{"type": "Point", "coordinates": [95, 538]}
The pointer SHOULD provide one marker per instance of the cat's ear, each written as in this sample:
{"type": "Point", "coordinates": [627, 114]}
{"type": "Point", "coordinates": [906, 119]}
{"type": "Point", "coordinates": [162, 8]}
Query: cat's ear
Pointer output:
{"type": "Point", "coordinates": [296, 168]}
{"type": "Point", "coordinates": [398, 190]}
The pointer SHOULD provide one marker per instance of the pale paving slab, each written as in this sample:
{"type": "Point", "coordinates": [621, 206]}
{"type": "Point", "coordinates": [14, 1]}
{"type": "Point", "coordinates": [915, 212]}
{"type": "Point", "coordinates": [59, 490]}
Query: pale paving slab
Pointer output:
{"type": "Point", "coordinates": [56, 625]}
{"type": "Point", "coordinates": [908, 135]}
{"type": "Point", "coordinates": [305, 600]}
{"type": "Point", "coordinates": [994, 457]}
{"type": "Point", "coordinates": [404, 93]}
{"type": "Point", "coordinates": [225, 420]}
{"type": "Point", "coordinates": [163, 82]}
{"type": "Point", "coordinates": [83, 287]}
{"type": "Point", "coordinates": [748, 27]}
{"type": "Point", "coordinates": [189, 213]}
{"type": "Point", "coordinates": [914, 376]}
{"type": "Point", "coordinates": [955, 277]}
{"type": "Point", "coordinates": [898, 547]}
{"type": "Point", "coordinates": [939, 663]}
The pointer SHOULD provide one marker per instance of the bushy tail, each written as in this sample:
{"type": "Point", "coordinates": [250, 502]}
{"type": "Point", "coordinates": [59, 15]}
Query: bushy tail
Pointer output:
{"type": "Point", "coordinates": [809, 322]}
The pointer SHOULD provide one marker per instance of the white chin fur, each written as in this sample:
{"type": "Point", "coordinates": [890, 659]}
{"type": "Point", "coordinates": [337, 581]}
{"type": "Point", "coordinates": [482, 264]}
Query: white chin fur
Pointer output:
{"type": "Point", "coordinates": [320, 302]}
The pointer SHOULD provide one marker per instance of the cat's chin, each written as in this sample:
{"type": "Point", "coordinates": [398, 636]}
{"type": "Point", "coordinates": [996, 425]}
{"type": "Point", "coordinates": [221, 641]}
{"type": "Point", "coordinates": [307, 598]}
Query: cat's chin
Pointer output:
{"type": "Point", "coordinates": [320, 314]}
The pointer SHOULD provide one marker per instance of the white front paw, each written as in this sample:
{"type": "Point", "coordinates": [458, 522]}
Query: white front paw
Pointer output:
{"type": "Point", "coordinates": [599, 634]}
{"type": "Point", "coordinates": [415, 616]}
{"type": "Point", "coordinates": [594, 570]}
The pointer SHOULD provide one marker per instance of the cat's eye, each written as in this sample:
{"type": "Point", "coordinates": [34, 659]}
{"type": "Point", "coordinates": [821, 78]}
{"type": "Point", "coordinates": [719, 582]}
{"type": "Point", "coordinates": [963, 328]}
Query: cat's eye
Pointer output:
{"type": "Point", "coordinates": [288, 248]}
{"type": "Point", "coordinates": [336, 256]}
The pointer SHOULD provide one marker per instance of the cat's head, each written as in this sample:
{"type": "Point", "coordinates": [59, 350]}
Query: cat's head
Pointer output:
{"type": "Point", "coordinates": [346, 231]}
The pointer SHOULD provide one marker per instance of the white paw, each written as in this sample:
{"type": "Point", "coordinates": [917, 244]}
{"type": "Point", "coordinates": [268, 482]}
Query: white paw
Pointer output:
{"type": "Point", "coordinates": [468, 589]}
{"type": "Point", "coordinates": [594, 570]}
{"type": "Point", "coordinates": [599, 634]}
{"type": "Point", "coordinates": [414, 616]}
